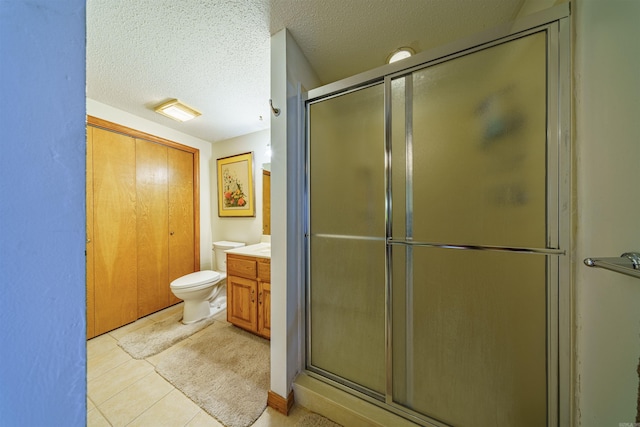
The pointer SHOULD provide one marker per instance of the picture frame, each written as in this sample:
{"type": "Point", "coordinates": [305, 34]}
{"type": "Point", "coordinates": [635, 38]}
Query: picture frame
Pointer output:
{"type": "Point", "coordinates": [236, 189]}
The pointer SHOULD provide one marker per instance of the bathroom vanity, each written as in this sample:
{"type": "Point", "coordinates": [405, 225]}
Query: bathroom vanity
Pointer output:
{"type": "Point", "coordinates": [249, 288]}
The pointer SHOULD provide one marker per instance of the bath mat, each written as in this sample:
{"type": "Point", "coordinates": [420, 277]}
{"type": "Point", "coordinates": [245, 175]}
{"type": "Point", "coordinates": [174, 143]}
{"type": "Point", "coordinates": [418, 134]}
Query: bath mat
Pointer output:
{"type": "Point", "coordinates": [224, 370]}
{"type": "Point", "coordinates": [153, 339]}
{"type": "Point", "coordinates": [315, 420]}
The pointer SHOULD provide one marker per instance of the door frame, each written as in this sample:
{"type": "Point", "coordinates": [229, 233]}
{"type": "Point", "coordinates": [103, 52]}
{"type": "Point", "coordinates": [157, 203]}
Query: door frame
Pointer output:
{"type": "Point", "coordinates": [555, 20]}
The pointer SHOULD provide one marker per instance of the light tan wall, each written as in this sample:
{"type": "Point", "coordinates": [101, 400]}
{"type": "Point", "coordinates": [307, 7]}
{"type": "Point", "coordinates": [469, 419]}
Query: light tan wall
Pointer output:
{"type": "Point", "coordinates": [607, 156]}
{"type": "Point", "coordinates": [245, 230]}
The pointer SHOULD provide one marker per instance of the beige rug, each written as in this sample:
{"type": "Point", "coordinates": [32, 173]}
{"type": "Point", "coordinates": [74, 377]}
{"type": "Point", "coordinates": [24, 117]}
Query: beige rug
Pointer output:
{"type": "Point", "coordinates": [224, 370]}
{"type": "Point", "coordinates": [153, 339]}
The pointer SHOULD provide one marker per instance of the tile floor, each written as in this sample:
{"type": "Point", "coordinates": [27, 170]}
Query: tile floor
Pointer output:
{"type": "Point", "coordinates": [123, 391]}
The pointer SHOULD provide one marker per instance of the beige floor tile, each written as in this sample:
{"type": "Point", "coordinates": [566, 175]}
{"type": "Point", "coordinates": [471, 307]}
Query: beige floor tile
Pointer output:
{"type": "Point", "coordinates": [172, 410]}
{"type": "Point", "coordinates": [272, 418]}
{"type": "Point", "coordinates": [100, 345]}
{"type": "Point", "coordinates": [140, 323]}
{"type": "Point", "coordinates": [90, 404]}
{"type": "Point", "coordinates": [117, 379]}
{"type": "Point", "coordinates": [96, 419]}
{"type": "Point", "coordinates": [204, 420]}
{"type": "Point", "coordinates": [167, 312]}
{"type": "Point", "coordinates": [130, 403]}
{"type": "Point", "coordinates": [105, 362]}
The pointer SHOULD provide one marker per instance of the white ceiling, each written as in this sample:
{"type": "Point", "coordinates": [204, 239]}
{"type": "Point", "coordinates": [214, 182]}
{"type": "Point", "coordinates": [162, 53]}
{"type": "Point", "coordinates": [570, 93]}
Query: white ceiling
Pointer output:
{"type": "Point", "coordinates": [215, 54]}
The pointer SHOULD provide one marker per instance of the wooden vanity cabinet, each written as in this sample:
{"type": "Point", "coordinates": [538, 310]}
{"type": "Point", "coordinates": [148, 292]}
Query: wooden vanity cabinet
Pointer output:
{"type": "Point", "coordinates": [264, 297]}
{"type": "Point", "coordinates": [249, 293]}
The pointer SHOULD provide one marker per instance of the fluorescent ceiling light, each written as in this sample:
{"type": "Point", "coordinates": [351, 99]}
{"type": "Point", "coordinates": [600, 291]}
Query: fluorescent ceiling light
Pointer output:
{"type": "Point", "coordinates": [402, 53]}
{"type": "Point", "coordinates": [177, 110]}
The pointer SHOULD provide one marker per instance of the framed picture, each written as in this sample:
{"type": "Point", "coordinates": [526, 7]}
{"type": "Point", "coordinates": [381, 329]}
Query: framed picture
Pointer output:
{"type": "Point", "coordinates": [236, 195]}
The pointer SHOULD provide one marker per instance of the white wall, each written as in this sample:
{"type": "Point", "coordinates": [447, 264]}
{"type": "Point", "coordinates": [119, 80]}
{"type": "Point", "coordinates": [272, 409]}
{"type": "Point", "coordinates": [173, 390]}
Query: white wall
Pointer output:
{"type": "Point", "coordinates": [289, 68]}
{"type": "Point", "coordinates": [114, 115]}
{"type": "Point", "coordinates": [246, 230]}
{"type": "Point", "coordinates": [607, 143]}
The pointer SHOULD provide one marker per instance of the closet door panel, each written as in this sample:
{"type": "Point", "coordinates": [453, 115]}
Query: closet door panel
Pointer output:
{"type": "Point", "coordinates": [114, 224]}
{"type": "Point", "coordinates": [89, 246]}
{"type": "Point", "coordinates": [181, 215]}
{"type": "Point", "coordinates": [153, 223]}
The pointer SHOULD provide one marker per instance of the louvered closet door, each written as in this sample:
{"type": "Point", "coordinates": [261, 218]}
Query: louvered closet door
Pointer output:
{"type": "Point", "coordinates": [153, 225]}
{"type": "Point", "coordinates": [114, 228]}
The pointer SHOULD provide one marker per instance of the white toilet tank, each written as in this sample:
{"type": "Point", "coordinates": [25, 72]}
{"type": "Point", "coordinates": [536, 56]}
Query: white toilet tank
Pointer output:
{"type": "Point", "coordinates": [220, 256]}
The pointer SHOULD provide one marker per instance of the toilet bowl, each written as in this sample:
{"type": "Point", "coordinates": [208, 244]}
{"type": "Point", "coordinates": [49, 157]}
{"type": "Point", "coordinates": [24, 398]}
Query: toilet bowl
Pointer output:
{"type": "Point", "coordinates": [204, 292]}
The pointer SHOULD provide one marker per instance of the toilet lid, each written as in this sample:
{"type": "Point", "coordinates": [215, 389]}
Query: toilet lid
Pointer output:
{"type": "Point", "coordinates": [195, 279]}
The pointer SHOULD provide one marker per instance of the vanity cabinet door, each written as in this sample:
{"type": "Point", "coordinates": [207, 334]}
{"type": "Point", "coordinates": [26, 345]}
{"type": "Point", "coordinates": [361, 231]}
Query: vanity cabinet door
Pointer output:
{"type": "Point", "coordinates": [241, 302]}
{"type": "Point", "coordinates": [264, 309]}
{"type": "Point", "coordinates": [264, 297]}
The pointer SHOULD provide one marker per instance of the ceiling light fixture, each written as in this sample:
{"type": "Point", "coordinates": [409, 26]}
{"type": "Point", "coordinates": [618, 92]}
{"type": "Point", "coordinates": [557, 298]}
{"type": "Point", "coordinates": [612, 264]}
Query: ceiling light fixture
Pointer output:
{"type": "Point", "coordinates": [177, 110]}
{"type": "Point", "coordinates": [401, 53]}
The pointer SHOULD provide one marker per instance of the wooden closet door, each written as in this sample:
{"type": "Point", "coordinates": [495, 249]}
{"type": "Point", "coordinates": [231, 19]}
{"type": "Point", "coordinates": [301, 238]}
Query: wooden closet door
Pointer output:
{"type": "Point", "coordinates": [114, 226]}
{"type": "Point", "coordinates": [89, 245]}
{"type": "Point", "coordinates": [181, 219]}
{"type": "Point", "coordinates": [153, 224]}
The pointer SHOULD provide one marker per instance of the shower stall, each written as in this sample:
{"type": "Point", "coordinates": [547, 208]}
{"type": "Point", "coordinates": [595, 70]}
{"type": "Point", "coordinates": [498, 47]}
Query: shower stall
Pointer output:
{"type": "Point", "coordinates": [438, 230]}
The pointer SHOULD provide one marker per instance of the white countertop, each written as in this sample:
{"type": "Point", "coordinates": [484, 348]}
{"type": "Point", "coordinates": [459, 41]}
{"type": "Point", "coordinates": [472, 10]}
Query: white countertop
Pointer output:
{"type": "Point", "coordinates": [260, 250]}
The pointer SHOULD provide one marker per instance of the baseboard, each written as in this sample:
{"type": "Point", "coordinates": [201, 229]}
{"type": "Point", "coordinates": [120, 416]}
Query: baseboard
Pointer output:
{"type": "Point", "coordinates": [279, 403]}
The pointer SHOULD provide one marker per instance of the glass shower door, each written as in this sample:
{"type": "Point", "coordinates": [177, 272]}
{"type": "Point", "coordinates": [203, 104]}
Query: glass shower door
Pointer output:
{"type": "Point", "coordinates": [346, 303]}
{"type": "Point", "coordinates": [470, 238]}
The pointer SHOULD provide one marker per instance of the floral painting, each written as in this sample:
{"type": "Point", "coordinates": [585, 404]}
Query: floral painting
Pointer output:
{"type": "Point", "coordinates": [235, 185]}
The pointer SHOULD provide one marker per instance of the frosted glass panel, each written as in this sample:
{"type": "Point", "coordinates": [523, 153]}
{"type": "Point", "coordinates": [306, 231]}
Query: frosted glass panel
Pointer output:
{"type": "Point", "coordinates": [347, 310]}
{"type": "Point", "coordinates": [347, 164]}
{"type": "Point", "coordinates": [479, 148]}
{"type": "Point", "coordinates": [469, 344]}
{"type": "Point", "coordinates": [347, 212]}
{"type": "Point", "coordinates": [469, 167]}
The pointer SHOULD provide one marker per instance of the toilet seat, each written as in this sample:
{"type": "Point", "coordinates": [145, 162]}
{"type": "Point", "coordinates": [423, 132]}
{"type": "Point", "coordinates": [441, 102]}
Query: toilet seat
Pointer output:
{"type": "Point", "coordinates": [196, 280]}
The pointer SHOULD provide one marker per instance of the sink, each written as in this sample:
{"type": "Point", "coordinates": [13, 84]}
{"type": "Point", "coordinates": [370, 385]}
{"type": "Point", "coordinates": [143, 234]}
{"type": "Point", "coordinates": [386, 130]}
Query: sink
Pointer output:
{"type": "Point", "coordinates": [258, 249]}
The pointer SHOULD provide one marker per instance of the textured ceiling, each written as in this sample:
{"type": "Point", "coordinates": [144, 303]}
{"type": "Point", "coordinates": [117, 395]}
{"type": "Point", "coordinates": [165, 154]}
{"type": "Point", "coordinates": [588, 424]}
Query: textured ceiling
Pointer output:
{"type": "Point", "coordinates": [214, 54]}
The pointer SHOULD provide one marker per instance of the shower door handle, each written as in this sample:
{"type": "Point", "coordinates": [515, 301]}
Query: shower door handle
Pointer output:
{"type": "Point", "coordinates": [542, 251]}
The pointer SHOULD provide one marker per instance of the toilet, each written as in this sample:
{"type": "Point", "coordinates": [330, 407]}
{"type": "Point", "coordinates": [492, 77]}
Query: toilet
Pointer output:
{"type": "Point", "coordinates": [205, 292]}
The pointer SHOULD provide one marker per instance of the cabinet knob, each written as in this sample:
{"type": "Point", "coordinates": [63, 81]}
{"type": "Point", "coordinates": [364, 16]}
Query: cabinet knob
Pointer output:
{"type": "Point", "coordinates": [171, 233]}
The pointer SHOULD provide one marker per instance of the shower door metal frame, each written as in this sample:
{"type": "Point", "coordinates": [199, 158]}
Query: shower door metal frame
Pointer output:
{"type": "Point", "coordinates": [555, 22]}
